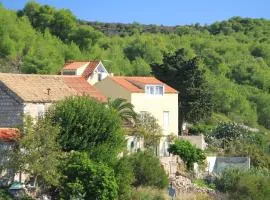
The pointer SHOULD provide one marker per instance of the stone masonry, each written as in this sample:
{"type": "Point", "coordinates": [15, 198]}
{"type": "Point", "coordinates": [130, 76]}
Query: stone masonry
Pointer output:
{"type": "Point", "coordinates": [11, 108]}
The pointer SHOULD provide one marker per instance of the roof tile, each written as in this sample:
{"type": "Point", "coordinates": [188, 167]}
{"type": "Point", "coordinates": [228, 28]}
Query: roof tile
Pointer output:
{"type": "Point", "coordinates": [133, 83]}
{"type": "Point", "coordinates": [48, 88]}
{"type": "Point", "coordinates": [73, 65]}
{"type": "Point", "coordinates": [9, 134]}
{"type": "Point", "coordinates": [90, 68]}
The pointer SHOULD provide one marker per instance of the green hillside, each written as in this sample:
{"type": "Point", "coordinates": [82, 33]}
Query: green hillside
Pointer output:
{"type": "Point", "coordinates": [235, 53]}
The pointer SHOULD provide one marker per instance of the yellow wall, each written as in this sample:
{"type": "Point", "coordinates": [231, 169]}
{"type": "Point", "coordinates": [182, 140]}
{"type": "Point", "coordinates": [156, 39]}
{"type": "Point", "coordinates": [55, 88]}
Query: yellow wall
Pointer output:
{"type": "Point", "coordinates": [156, 105]}
{"type": "Point", "coordinates": [111, 89]}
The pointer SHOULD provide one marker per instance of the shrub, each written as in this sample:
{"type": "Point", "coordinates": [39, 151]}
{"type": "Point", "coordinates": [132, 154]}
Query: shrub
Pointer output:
{"type": "Point", "coordinates": [187, 152]}
{"type": "Point", "coordinates": [124, 177]}
{"type": "Point", "coordinates": [251, 184]}
{"type": "Point", "coordinates": [86, 179]}
{"type": "Point", "coordinates": [5, 195]}
{"type": "Point", "coordinates": [148, 170]}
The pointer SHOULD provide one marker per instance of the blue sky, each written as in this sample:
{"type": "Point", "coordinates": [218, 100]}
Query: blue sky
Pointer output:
{"type": "Point", "coordinates": [166, 12]}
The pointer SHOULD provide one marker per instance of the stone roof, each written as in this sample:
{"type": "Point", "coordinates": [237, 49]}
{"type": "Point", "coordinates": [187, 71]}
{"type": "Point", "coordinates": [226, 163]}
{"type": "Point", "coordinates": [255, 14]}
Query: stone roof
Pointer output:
{"type": "Point", "coordinates": [136, 83]}
{"type": "Point", "coordinates": [48, 88]}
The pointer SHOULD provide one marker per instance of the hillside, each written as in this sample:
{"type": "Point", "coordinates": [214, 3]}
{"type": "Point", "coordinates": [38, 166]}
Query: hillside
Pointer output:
{"type": "Point", "coordinates": [235, 53]}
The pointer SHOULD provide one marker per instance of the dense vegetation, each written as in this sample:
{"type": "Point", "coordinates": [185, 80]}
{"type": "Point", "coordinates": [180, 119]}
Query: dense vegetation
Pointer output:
{"type": "Point", "coordinates": [241, 184]}
{"type": "Point", "coordinates": [235, 54]}
{"type": "Point", "coordinates": [98, 168]}
{"type": "Point", "coordinates": [226, 63]}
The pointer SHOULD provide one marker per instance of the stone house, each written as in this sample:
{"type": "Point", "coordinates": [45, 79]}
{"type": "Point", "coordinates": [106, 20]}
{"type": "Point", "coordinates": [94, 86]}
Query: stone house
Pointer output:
{"type": "Point", "coordinates": [22, 94]}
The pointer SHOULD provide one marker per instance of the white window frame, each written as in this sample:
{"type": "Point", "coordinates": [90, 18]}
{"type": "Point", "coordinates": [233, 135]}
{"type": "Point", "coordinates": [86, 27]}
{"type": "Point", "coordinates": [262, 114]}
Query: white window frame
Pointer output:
{"type": "Point", "coordinates": [155, 89]}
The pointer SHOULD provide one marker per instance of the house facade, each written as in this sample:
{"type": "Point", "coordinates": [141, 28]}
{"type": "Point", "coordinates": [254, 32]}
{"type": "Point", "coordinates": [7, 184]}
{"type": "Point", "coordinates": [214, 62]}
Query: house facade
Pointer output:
{"type": "Point", "coordinates": [22, 94]}
{"type": "Point", "coordinates": [147, 94]}
{"type": "Point", "coordinates": [92, 71]}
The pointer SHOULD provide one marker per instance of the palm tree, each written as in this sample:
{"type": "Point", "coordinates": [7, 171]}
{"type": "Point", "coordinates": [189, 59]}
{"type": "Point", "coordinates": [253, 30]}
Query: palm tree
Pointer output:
{"type": "Point", "coordinates": [124, 109]}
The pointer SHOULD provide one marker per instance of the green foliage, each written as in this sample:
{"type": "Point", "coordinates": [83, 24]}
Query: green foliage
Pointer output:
{"type": "Point", "coordinates": [147, 127]}
{"type": "Point", "coordinates": [124, 109]}
{"type": "Point", "coordinates": [187, 152]}
{"type": "Point", "coordinates": [252, 184]}
{"type": "Point", "coordinates": [148, 193]}
{"type": "Point", "coordinates": [148, 170]}
{"type": "Point", "coordinates": [188, 77]}
{"type": "Point", "coordinates": [234, 55]}
{"type": "Point", "coordinates": [237, 140]}
{"type": "Point", "coordinates": [87, 125]}
{"type": "Point", "coordinates": [124, 177]}
{"type": "Point", "coordinates": [85, 179]}
{"type": "Point", "coordinates": [230, 131]}
{"type": "Point", "coordinates": [203, 183]}
{"type": "Point", "coordinates": [4, 194]}
{"type": "Point", "coordinates": [38, 153]}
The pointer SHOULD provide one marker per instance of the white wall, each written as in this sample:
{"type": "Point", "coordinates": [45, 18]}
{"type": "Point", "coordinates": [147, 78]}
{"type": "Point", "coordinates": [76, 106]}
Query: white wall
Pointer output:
{"type": "Point", "coordinates": [35, 109]}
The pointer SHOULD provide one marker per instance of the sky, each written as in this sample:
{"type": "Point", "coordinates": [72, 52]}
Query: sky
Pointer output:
{"type": "Point", "coordinates": [160, 12]}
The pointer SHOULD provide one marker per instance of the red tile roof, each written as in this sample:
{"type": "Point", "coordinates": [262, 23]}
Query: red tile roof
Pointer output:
{"type": "Point", "coordinates": [90, 68]}
{"type": "Point", "coordinates": [73, 65]}
{"type": "Point", "coordinates": [34, 88]}
{"type": "Point", "coordinates": [83, 87]}
{"type": "Point", "coordinates": [9, 134]}
{"type": "Point", "coordinates": [133, 83]}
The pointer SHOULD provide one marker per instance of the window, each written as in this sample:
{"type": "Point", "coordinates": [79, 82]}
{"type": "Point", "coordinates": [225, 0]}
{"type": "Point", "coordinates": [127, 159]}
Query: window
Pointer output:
{"type": "Point", "coordinates": [99, 76]}
{"type": "Point", "coordinates": [166, 119]}
{"type": "Point", "coordinates": [69, 72]}
{"type": "Point", "coordinates": [154, 89]}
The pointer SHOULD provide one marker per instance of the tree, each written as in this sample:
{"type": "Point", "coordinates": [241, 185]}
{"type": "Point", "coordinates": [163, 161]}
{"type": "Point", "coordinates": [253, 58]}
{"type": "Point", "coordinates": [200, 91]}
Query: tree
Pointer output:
{"type": "Point", "coordinates": [124, 109]}
{"type": "Point", "coordinates": [148, 170]}
{"type": "Point", "coordinates": [38, 153]}
{"type": "Point", "coordinates": [85, 37]}
{"type": "Point", "coordinates": [186, 76]}
{"type": "Point", "coordinates": [63, 22]}
{"type": "Point", "coordinates": [85, 179]}
{"type": "Point", "coordinates": [146, 127]}
{"type": "Point", "coordinates": [187, 152]}
{"type": "Point", "coordinates": [87, 125]}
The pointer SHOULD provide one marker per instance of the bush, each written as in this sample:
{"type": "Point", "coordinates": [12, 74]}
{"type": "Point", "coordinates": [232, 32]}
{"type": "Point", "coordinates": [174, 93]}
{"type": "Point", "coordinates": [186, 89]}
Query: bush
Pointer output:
{"type": "Point", "coordinates": [148, 170]}
{"type": "Point", "coordinates": [86, 179]}
{"type": "Point", "coordinates": [251, 184]}
{"type": "Point", "coordinates": [187, 152]}
{"type": "Point", "coordinates": [124, 177]}
{"type": "Point", "coordinates": [4, 195]}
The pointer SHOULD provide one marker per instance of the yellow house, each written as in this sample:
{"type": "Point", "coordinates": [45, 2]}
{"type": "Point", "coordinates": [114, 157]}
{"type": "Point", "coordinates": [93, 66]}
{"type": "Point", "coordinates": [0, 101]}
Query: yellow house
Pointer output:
{"type": "Point", "coordinates": [147, 94]}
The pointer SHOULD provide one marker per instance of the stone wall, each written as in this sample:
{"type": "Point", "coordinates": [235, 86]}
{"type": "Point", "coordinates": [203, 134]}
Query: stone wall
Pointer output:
{"type": "Point", "coordinates": [11, 109]}
{"type": "Point", "coordinates": [197, 140]}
